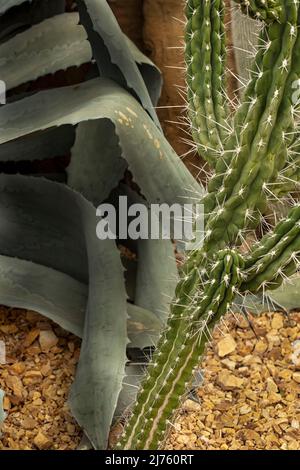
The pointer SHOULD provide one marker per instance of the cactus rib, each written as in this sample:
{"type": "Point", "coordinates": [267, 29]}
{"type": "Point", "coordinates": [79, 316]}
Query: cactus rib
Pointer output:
{"type": "Point", "coordinates": [276, 255]}
{"type": "Point", "coordinates": [205, 58]}
{"type": "Point", "coordinates": [261, 152]}
{"type": "Point", "coordinates": [266, 10]}
{"type": "Point", "coordinates": [238, 188]}
{"type": "Point", "coordinates": [179, 351]}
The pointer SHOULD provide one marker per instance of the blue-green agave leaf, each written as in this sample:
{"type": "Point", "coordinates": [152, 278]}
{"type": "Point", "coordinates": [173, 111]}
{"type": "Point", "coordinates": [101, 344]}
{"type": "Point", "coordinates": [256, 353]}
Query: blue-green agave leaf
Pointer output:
{"type": "Point", "coordinates": [147, 153]}
{"type": "Point", "coordinates": [143, 327]}
{"type": "Point", "coordinates": [56, 295]}
{"type": "Point", "coordinates": [2, 413]}
{"type": "Point", "coordinates": [48, 143]}
{"type": "Point", "coordinates": [155, 280]}
{"type": "Point", "coordinates": [288, 295]}
{"type": "Point", "coordinates": [133, 376]}
{"type": "Point", "coordinates": [251, 303]}
{"type": "Point", "coordinates": [111, 51]}
{"type": "Point", "coordinates": [42, 221]}
{"type": "Point", "coordinates": [150, 73]}
{"type": "Point", "coordinates": [26, 13]}
{"type": "Point", "coordinates": [7, 4]}
{"type": "Point", "coordinates": [55, 44]}
{"type": "Point", "coordinates": [63, 299]}
{"type": "Point", "coordinates": [157, 276]}
{"type": "Point", "coordinates": [286, 298]}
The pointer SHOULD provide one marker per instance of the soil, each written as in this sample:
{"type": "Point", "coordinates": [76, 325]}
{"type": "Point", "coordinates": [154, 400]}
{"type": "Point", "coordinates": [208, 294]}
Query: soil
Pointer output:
{"type": "Point", "coordinates": [249, 398]}
{"type": "Point", "coordinates": [40, 362]}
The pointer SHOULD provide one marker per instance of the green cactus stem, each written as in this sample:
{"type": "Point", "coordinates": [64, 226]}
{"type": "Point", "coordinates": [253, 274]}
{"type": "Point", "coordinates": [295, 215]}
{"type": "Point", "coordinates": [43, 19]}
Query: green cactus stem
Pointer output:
{"type": "Point", "coordinates": [275, 257]}
{"type": "Point", "coordinates": [266, 10]}
{"type": "Point", "coordinates": [180, 350]}
{"type": "Point", "coordinates": [253, 155]}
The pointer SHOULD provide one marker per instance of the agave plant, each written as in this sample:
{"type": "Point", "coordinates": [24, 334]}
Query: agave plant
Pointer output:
{"type": "Point", "coordinates": [51, 259]}
{"type": "Point", "coordinates": [253, 154]}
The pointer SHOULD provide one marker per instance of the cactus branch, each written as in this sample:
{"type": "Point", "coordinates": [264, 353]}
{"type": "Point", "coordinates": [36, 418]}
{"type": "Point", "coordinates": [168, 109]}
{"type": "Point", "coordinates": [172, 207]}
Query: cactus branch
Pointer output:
{"type": "Point", "coordinates": [255, 159]}
{"type": "Point", "coordinates": [180, 350]}
{"type": "Point", "coordinates": [266, 10]}
{"type": "Point", "coordinates": [205, 58]}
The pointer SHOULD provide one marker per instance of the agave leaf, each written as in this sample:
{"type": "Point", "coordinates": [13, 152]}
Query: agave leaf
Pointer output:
{"type": "Point", "coordinates": [141, 144]}
{"type": "Point", "coordinates": [100, 371]}
{"type": "Point", "coordinates": [133, 376]}
{"type": "Point", "coordinates": [26, 13]}
{"type": "Point", "coordinates": [2, 413]}
{"type": "Point", "coordinates": [55, 44]}
{"type": "Point", "coordinates": [150, 73]}
{"type": "Point", "coordinates": [144, 148]}
{"type": "Point", "coordinates": [111, 52]}
{"type": "Point", "coordinates": [155, 281]}
{"type": "Point", "coordinates": [143, 327]}
{"type": "Point", "coordinates": [107, 165]}
{"type": "Point", "coordinates": [61, 298]}
{"type": "Point", "coordinates": [251, 303]}
{"type": "Point", "coordinates": [286, 298]}
{"type": "Point", "coordinates": [288, 295]}
{"type": "Point", "coordinates": [55, 141]}
{"type": "Point", "coordinates": [151, 283]}
{"type": "Point", "coordinates": [7, 4]}
{"type": "Point", "coordinates": [130, 266]}
{"type": "Point", "coordinates": [157, 276]}
{"type": "Point", "coordinates": [42, 221]}
{"type": "Point", "coordinates": [56, 295]}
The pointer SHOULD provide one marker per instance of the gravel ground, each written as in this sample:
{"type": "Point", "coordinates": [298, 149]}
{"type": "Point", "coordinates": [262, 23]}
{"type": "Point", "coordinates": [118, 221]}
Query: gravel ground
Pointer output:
{"type": "Point", "coordinates": [40, 361]}
{"type": "Point", "coordinates": [249, 398]}
{"type": "Point", "coordinates": [251, 390]}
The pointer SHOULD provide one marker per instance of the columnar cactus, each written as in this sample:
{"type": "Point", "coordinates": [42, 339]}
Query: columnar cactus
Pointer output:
{"type": "Point", "coordinates": [254, 158]}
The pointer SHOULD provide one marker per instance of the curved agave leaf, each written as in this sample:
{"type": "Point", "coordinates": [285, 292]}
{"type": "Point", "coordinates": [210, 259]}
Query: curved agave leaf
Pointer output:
{"type": "Point", "coordinates": [56, 295]}
{"type": "Point", "coordinates": [157, 276]}
{"type": "Point", "coordinates": [2, 413]}
{"type": "Point", "coordinates": [155, 281]}
{"type": "Point", "coordinates": [112, 54]}
{"type": "Point", "coordinates": [7, 4]}
{"type": "Point", "coordinates": [63, 299]}
{"type": "Point", "coordinates": [285, 298]}
{"type": "Point", "coordinates": [150, 73]}
{"type": "Point", "coordinates": [51, 142]}
{"type": "Point", "coordinates": [26, 13]}
{"type": "Point", "coordinates": [148, 154]}
{"type": "Point", "coordinates": [143, 327]}
{"type": "Point", "coordinates": [133, 376]}
{"type": "Point", "coordinates": [42, 221]}
{"type": "Point", "coordinates": [55, 44]}
{"type": "Point", "coordinates": [288, 295]}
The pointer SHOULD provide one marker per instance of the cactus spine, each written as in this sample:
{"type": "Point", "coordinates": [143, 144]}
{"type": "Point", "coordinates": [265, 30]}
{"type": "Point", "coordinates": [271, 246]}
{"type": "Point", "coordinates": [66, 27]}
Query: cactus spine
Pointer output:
{"type": "Point", "coordinates": [253, 155]}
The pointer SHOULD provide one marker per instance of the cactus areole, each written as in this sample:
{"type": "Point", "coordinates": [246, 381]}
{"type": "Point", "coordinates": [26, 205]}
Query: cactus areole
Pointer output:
{"type": "Point", "coordinates": [253, 153]}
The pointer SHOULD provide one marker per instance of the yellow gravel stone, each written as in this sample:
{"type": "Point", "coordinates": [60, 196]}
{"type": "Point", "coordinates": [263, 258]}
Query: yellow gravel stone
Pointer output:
{"type": "Point", "coordinates": [277, 321]}
{"type": "Point", "coordinates": [229, 381]}
{"type": "Point", "coordinates": [263, 411]}
{"type": "Point", "coordinates": [296, 377]}
{"type": "Point", "coordinates": [226, 346]}
{"type": "Point", "coordinates": [36, 384]}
